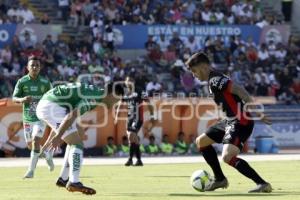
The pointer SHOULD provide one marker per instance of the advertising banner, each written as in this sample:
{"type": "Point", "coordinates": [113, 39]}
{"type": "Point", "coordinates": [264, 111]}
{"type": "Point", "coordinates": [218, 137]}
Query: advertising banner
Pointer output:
{"type": "Point", "coordinates": [7, 32]}
{"type": "Point", "coordinates": [276, 33]}
{"type": "Point", "coordinates": [135, 36]}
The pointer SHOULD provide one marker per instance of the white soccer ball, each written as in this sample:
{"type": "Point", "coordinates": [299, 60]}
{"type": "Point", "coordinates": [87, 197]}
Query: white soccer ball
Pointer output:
{"type": "Point", "coordinates": [200, 179]}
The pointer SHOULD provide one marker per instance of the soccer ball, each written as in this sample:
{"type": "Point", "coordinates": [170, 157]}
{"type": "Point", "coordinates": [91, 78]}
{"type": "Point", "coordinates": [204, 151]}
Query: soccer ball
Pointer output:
{"type": "Point", "coordinates": [200, 179]}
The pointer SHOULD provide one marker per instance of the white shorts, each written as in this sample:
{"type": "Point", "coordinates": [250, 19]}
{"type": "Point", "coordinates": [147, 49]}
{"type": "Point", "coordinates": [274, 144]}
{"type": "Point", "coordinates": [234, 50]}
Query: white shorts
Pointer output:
{"type": "Point", "coordinates": [33, 129]}
{"type": "Point", "coordinates": [53, 114]}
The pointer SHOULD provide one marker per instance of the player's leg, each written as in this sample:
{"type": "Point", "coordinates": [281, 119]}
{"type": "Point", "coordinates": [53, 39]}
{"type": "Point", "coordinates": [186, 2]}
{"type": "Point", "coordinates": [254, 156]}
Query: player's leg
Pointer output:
{"type": "Point", "coordinates": [204, 142]}
{"type": "Point", "coordinates": [233, 143]}
{"type": "Point", "coordinates": [75, 160]}
{"type": "Point", "coordinates": [33, 154]}
{"type": "Point", "coordinates": [38, 133]}
{"type": "Point", "coordinates": [64, 173]}
{"type": "Point", "coordinates": [132, 151]}
{"type": "Point", "coordinates": [138, 153]}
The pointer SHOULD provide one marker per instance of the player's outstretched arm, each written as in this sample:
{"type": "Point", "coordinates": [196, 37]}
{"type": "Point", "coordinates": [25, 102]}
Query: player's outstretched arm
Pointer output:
{"type": "Point", "coordinates": [245, 96]}
{"type": "Point", "coordinates": [66, 123]}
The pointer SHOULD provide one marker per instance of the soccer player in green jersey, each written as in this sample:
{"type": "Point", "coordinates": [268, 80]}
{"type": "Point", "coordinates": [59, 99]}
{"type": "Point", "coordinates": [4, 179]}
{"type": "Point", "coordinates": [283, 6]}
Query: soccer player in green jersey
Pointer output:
{"type": "Point", "coordinates": [28, 91]}
{"type": "Point", "coordinates": [59, 108]}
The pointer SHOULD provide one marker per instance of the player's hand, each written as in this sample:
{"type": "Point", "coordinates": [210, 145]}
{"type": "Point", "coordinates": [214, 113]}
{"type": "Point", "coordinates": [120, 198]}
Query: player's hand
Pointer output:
{"type": "Point", "coordinates": [27, 99]}
{"type": "Point", "coordinates": [265, 119]}
{"type": "Point", "coordinates": [55, 142]}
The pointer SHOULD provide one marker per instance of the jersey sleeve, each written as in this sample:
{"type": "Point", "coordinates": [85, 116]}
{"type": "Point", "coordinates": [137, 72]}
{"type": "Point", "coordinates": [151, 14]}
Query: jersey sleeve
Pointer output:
{"type": "Point", "coordinates": [18, 92]}
{"type": "Point", "coordinates": [219, 83]}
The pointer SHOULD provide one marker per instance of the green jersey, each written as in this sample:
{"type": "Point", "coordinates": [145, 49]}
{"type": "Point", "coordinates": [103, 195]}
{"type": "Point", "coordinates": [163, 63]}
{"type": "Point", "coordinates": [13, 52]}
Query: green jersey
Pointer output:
{"type": "Point", "coordinates": [75, 95]}
{"type": "Point", "coordinates": [26, 86]}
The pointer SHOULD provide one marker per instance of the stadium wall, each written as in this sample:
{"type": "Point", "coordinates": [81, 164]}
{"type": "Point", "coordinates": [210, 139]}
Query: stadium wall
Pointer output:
{"type": "Point", "coordinates": [192, 116]}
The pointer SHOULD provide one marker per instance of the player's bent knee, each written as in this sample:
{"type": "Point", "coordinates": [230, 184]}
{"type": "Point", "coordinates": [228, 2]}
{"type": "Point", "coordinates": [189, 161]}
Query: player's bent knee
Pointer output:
{"type": "Point", "coordinates": [227, 158]}
{"type": "Point", "coordinates": [201, 141]}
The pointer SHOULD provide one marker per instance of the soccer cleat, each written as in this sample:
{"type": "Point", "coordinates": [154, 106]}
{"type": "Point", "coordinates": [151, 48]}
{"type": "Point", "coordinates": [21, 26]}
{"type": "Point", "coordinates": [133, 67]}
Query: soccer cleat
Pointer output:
{"type": "Point", "coordinates": [29, 174]}
{"type": "Point", "coordinates": [138, 163]}
{"type": "Point", "coordinates": [213, 185]}
{"type": "Point", "coordinates": [262, 188]}
{"type": "Point", "coordinates": [61, 182]}
{"type": "Point", "coordinates": [129, 162]}
{"type": "Point", "coordinates": [79, 187]}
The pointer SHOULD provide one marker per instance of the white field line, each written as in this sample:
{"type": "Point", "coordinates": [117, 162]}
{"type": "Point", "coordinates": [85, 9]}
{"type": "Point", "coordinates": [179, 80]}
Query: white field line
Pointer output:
{"type": "Point", "coordinates": [23, 162]}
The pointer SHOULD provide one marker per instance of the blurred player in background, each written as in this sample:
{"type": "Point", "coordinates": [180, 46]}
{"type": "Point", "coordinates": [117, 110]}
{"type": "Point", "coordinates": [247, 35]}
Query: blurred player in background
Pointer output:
{"type": "Point", "coordinates": [28, 91]}
{"type": "Point", "coordinates": [135, 98]}
{"type": "Point", "coordinates": [59, 108]}
{"type": "Point", "coordinates": [233, 131]}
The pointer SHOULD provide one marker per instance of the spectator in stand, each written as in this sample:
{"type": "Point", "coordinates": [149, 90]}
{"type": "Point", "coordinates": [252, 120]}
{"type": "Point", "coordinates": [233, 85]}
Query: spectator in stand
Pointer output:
{"type": "Point", "coordinates": [96, 24]}
{"type": "Point", "coordinates": [110, 149]}
{"type": "Point", "coordinates": [153, 86]}
{"type": "Point", "coordinates": [206, 15]}
{"type": "Point", "coordinates": [27, 42]}
{"type": "Point", "coordinates": [263, 54]}
{"type": "Point", "coordinates": [64, 9]}
{"type": "Point", "coordinates": [27, 15]}
{"type": "Point", "coordinates": [145, 16]}
{"type": "Point", "coordinates": [76, 14]}
{"type": "Point", "coordinates": [6, 55]}
{"type": "Point", "coordinates": [166, 147]}
{"type": "Point", "coordinates": [87, 11]}
{"type": "Point", "coordinates": [280, 53]}
{"type": "Point", "coordinates": [123, 149]}
{"type": "Point", "coordinates": [192, 44]}
{"type": "Point", "coordinates": [150, 43]}
{"type": "Point", "coordinates": [262, 88]}
{"type": "Point", "coordinates": [177, 42]}
{"type": "Point", "coordinates": [111, 11]}
{"type": "Point", "coordinates": [162, 42]}
{"type": "Point", "coordinates": [45, 19]}
{"type": "Point", "coordinates": [152, 148]}
{"type": "Point", "coordinates": [180, 146]}
{"type": "Point", "coordinates": [49, 44]}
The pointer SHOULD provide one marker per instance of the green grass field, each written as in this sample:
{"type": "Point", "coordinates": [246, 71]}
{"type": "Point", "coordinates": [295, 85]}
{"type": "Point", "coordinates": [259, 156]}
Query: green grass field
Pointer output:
{"type": "Point", "coordinates": [151, 182]}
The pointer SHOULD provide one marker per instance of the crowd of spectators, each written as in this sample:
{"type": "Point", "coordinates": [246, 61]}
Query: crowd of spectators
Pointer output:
{"type": "Point", "coordinates": [150, 12]}
{"type": "Point", "coordinates": [269, 69]}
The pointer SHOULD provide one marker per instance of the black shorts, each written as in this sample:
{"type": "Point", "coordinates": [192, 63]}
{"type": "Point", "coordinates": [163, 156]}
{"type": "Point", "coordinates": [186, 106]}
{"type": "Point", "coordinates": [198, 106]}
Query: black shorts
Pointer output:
{"type": "Point", "coordinates": [134, 126]}
{"type": "Point", "coordinates": [230, 132]}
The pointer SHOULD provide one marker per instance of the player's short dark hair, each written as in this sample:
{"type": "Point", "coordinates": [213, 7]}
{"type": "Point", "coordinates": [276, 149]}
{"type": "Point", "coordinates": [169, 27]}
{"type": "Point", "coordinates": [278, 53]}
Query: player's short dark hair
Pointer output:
{"type": "Point", "coordinates": [117, 88]}
{"type": "Point", "coordinates": [33, 57]}
{"type": "Point", "coordinates": [197, 58]}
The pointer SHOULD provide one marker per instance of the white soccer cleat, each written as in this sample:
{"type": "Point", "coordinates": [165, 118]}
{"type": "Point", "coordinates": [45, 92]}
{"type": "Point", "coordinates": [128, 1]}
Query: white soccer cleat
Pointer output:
{"type": "Point", "coordinates": [29, 174]}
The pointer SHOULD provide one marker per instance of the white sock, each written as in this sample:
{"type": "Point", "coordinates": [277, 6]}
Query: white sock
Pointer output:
{"type": "Point", "coordinates": [75, 162]}
{"type": "Point", "coordinates": [34, 157]}
{"type": "Point", "coordinates": [64, 172]}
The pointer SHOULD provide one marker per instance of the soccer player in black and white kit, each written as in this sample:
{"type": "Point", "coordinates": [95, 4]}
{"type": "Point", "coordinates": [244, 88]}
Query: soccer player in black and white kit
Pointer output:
{"type": "Point", "coordinates": [134, 97]}
{"type": "Point", "coordinates": [233, 131]}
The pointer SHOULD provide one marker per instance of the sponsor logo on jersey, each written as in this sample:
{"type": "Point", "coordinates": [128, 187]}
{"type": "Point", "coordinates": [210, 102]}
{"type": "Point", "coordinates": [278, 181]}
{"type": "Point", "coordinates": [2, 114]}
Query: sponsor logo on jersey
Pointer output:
{"type": "Point", "coordinates": [25, 89]}
{"type": "Point", "coordinates": [214, 81]}
{"type": "Point", "coordinates": [33, 88]}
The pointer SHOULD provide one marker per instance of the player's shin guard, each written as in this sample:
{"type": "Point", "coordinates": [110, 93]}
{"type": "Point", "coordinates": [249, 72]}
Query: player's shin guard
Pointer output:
{"type": "Point", "coordinates": [64, 173]}
{"type": "Point", "coordinates": [244, 168]}
{"type": "Point", "coordinates": [211, 157]}
{"type": "Point", "coordinates": [75, 162]}
{"type": "Point", "coordinates": [34, 157]}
